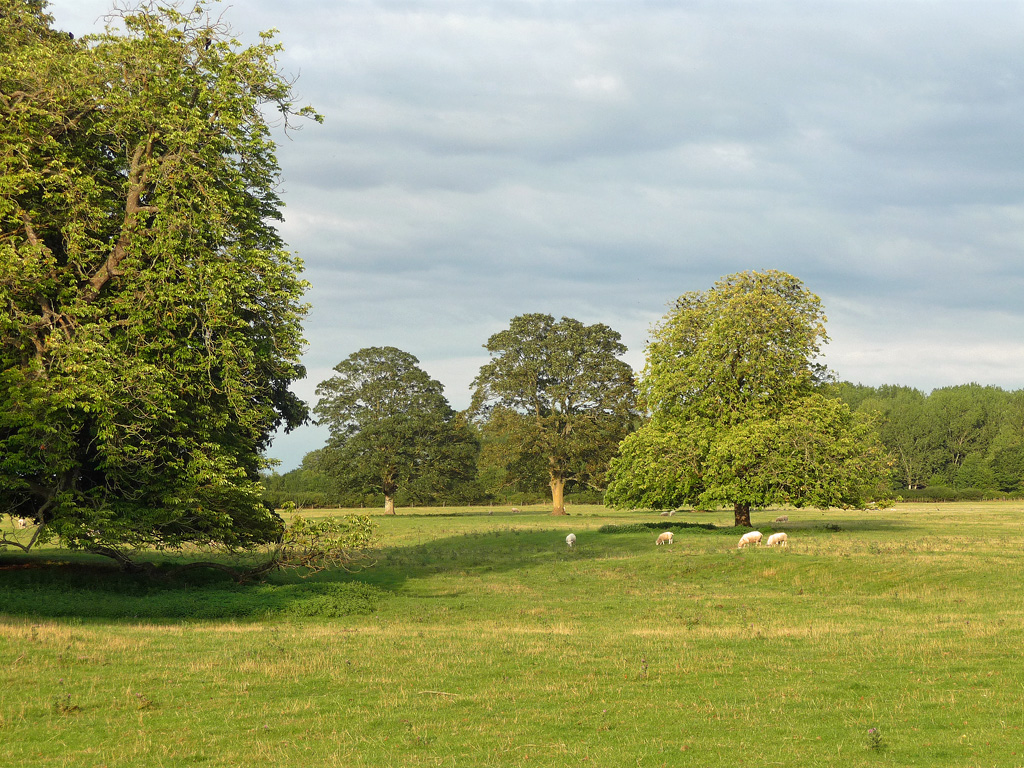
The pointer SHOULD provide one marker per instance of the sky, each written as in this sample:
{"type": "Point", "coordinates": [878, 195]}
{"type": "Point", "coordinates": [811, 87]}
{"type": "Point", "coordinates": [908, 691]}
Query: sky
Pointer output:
{"type": "Point", "coordinates": [596, 159]}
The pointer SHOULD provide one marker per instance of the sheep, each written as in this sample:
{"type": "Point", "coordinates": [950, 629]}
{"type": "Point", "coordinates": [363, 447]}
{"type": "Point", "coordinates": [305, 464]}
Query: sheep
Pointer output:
{"type": "Point", "coordinates": [778, 538]}
{"type": "Point", "coordinates": [571, 540]}
{"type": "Point", "coordinates": [783, 519]}
{"type": "Point", "coordinates": [21, 522]}
{"type": "Point", "coordinates": [754, 537]}
{"type": "Point", "coordinates": [664, 538]}
{"type": "Point", "coordinates": [666, 513]}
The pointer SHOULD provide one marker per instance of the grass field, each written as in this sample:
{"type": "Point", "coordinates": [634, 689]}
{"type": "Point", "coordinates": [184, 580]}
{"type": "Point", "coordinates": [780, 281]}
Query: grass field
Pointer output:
{"type": "Point", "coordinates": [884, 638]}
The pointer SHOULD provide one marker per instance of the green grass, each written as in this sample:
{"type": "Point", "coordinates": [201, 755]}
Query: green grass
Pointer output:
{"type": "Point", "coordinates": [478, 639]}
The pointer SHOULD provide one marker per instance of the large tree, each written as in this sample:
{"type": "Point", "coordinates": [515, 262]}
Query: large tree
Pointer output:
{"type": "Point", "coordinates": [392, 427]}
{"type": "Point", "coordinates": [731, 383]}
{"type": "Point", "coordinates": [559, 392]}
{"type": "Point", "coordinates": [149, 311]}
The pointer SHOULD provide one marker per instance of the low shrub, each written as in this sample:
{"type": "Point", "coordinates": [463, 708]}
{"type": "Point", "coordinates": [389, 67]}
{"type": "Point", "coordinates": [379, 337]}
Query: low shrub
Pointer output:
{"type": "Point", "coordinates": [940, 493]}
{"type": "Point", "coordinates": [585, 497]}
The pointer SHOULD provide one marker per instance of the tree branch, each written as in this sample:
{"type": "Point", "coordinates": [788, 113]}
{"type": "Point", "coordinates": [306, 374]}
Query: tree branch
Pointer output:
{"type": "Point", "coordinates": [138, 179]}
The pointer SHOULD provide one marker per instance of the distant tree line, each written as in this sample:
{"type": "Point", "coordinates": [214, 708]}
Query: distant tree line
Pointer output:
{"type": "Point", "coordinates": [493, 484]}
{"type": "Point", "coordinates": [963, 441]}
{"type": "Point", "coordinates": [958, 442]}
{"type": "Point", "coordinates": [732, 409]}
{"type": "Point", "coordinates": [548, 413]}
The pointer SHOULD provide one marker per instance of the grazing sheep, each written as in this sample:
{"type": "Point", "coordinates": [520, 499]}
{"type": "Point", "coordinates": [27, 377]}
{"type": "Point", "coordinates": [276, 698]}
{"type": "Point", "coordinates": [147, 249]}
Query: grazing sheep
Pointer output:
{"type": "Point", "coordinates": [783, 519]}
{"type": "Point", "coordinates": [571, 540]}
{"type": "Point", "coordinates": [21, 522]}
{"type": "Point", "coordinates": [665, 538]}
{"type": "Point", "coordinates": [754, 537]}
{"type": "Point", "coordinates": [778, 538]}
{"type": "Point", "coordinates": [665, 514]}
{"type": "Point", "coordinates": [515, 510]}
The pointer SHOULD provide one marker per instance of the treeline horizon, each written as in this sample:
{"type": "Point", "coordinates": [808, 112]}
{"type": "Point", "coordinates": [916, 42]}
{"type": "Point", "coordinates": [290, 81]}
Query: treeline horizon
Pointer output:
{"type": "Point", "coordinates": [957, 442]}
{"type": "Point", "coordinates": [961, 441]}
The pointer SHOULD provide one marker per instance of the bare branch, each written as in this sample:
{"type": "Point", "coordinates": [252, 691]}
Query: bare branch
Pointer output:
{"type": "Point", "coordinates": [138, 179]}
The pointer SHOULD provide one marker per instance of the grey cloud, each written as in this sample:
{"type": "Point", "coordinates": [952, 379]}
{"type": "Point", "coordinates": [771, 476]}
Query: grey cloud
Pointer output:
{"type": "Point", "coordinates": [485, 159]}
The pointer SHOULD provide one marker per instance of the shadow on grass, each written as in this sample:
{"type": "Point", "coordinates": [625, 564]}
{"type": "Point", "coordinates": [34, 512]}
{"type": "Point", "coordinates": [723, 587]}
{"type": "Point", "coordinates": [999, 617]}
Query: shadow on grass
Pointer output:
{"type": "Point", "coordinates": [513, 549]}
{"type": "Point", "coordinates": [66, 585]}
{"type": "Point", "coordinates": [81, 587]}
{"type": "Point", "coordinates": [72, 585]}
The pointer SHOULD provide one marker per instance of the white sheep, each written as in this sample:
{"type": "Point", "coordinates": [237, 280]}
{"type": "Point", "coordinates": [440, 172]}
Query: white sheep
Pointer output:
{"type": "Point", "coordinates": [571, 540]}
{"type": "Point", "coordinates": [21, 522]}
{"type": "Point", "coordinates": [754, 537]}
{"type": "Point", "coordinates": [664, 538]}
{"type": "Point", "coordinates": [666, 513]}
{"type": "Point", "coordinates": [779, 538]}
{"type": "Point", "coordinates": [783, 519]}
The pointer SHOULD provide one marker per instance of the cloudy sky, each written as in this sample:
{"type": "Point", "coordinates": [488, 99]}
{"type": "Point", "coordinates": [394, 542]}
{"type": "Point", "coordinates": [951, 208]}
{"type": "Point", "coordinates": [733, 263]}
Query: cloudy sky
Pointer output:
{"type": "Point", "coordinates": [597, 158]}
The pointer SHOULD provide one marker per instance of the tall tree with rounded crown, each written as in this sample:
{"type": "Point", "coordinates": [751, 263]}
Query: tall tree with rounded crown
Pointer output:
{"type": "Point", "coordinates": [150, 315]}
{"type": "Point", "coordinates": [391, 426]}
{"type": "Point", "coordinates": [731, 384]}
{"type": "Point", "coordinates": [558, 390]}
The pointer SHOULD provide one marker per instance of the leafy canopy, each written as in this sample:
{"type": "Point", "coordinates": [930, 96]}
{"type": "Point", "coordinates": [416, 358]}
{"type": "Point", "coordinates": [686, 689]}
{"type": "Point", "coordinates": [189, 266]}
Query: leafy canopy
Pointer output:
{"type": "Point", "coordinates": [731, 383]}
{"type": "Point", "coordinates": [149, 312]}
{"type": "Point", "coordinates": [391, 426]}
{"type": "Point", "coordinates": [558, 392]}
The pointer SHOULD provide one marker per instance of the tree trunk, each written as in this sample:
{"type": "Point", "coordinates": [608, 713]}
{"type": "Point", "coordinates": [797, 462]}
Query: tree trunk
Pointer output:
{"type": "Point", "coordinates": [557, 495]}
{"type": "Point", "coordinates": [389, 487]}
{"type": "Point", "coordinates": [742, 513]}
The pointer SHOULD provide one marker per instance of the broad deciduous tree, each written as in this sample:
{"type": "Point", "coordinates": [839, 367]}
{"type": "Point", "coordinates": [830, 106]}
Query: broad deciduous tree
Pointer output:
{"type": "Point", "coordinates": [149, 311]}
{"type": "Point", "coordinates": [559, 392]}
{"type": "Point", "coordinates": [731, 384]}
{"type": "Point", "coordinates": [391, 426]}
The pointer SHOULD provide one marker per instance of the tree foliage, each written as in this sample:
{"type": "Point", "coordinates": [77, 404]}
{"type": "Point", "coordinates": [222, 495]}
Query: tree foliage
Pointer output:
{"type": "Point", "coordinates": [560, 395]}
{"type": "Point", "coordinates": [904, 428]}
{"type": "Point", "coordinates": [504, 468]}
{"type": "Point", "coordinates": [731, 384]}
{"type": "Point", "coordinates": [963, 437]}
{"type": "Point", "coordinates": [149, 312]}
{"type": "Point", "coordinates": [391, 426]}
{"type": "Point", "coordinates": [315, 545]}
{"type": "Point", "coordinates": [964, 419]}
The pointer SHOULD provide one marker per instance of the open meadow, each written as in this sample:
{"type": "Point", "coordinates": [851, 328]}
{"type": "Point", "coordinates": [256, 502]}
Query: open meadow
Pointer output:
{"type": "Point", "coordinates": [880, 638]}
